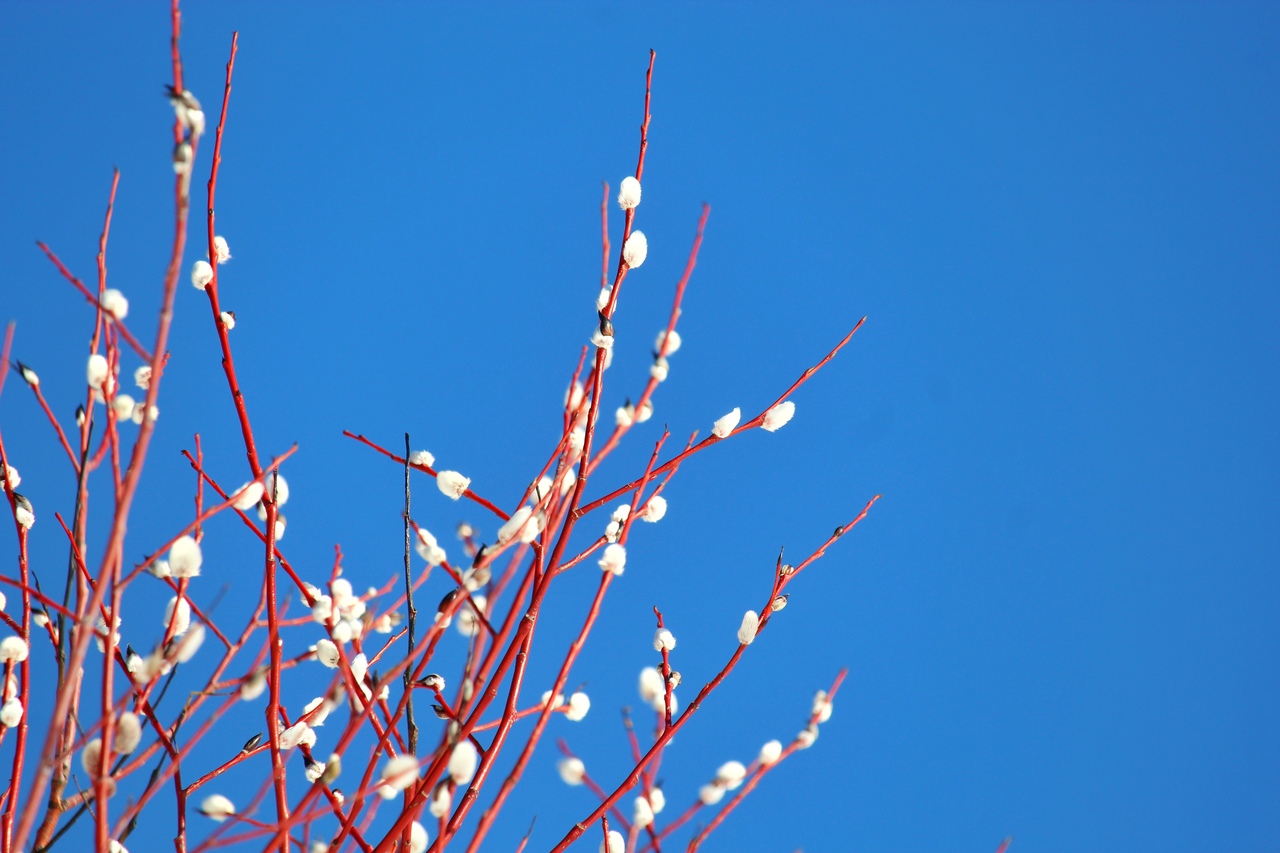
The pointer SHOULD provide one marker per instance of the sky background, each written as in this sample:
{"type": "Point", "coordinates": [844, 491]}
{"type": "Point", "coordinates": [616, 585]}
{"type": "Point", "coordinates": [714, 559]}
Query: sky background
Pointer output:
{"type": "Point", "coordinates": [1061, 220]}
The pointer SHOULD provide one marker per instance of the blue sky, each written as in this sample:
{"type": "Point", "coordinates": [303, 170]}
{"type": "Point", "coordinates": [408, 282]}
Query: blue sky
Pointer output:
{"type": "Point", "coordinates": [1061, 220]}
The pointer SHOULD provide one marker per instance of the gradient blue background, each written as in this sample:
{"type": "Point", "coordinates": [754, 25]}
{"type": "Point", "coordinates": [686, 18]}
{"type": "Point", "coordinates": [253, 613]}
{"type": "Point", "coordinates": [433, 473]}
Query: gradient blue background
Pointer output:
{"type": "Point", "coordinates": [1061, 219]}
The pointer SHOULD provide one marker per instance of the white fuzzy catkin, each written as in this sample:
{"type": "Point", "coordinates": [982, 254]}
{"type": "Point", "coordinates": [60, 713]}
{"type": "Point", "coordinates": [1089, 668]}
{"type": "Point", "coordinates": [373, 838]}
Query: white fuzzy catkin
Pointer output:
{"type": "Point", "coordinates": [629, 193]}
{"type": "Point", "coordinates": [571, 770]}
{"type": "Point", "coordinates": [128, 733]}
{"type": "Point", "coordinates": [294, 735]}
{"type": "Point", "coordinates": [441, 801]}
{"type": "Point", "coordinates": [327, 653]}
{"type": "Point", "coordinates": [275, 487]}
{"type": "Point", "coordinates": [462, 762]}
{"type": "Point", "coordinates": [142, 377]}
{"type": "Point", "coordinates": [731, 774]}
{"type": "Point", "coordinates": [418, 838]}
{"type": "Point", "coordinates": [248, 495]}
{"type": "Point", "coordinates": [747, 631]}
{"type": "Point", "coordinates": [644, 412]}
{"type": "Point", "coordinates": [29, 376]}
{"type": "Point", "coordinates": [96, 371]}
{"type": "Point", "coordinates": [221, 251]}
{"type": "Point", "coordinates": [13, 649]}
{"type": "Point", "coordinates": [178, 614]}
{"type": "Point", "coordinates": [602, 298]}
{"type": "Point", "coordinates": [228, 319]}
{"type": "Point", "coordinates": [821, 706]}
{"type": "Point", "coordinates": [710, 794]}
{"type": "Point", "coordinates": [122, 406]}
{"type": "Point", "coordinates": [663, 639]}
{"type": "Point", "coordinates": [185, 558]}
{"type": "Point", "coordinates": [642, 813]}
{"type": "Point", "coordinates": [522, 525]}
{"type": "Point", "coordinates": [91, 757]}
{"type": "Point", "coordinates": [114, 302]}
{"type": "Point", "coordinates": [624, 416]}
{"type": "Point", "coordinates": [776, 418]}
{"type": "Point", "coordinates": [190, 643]}
{"type": "Point", "coordinates": [636, 249]}
{"type": "Point", "coordinates": [666, 344]}
{"type": "Point", "coordinates": [429, 549]}
{"type": "Point", "coordinates": [727, 424]}
{"type": "Point", "coordinates": [400, 772]}
{"type": "Point", "coordinates": [253, 687]}
{"type": "Point", "coordinates": [11, 713]}
{"type": "Point", "coordinates": [770, 753]}
{"type": "Point", "coordinates": [654, 510]}
{"type": "Point", "coordinates": [217, 807]}
{"type": "Point", "coordinates": [614, 842]}
{"type": "Point", "coordinates": [579, 705]}
{"type": "Point", "coordinates": [422, 457]}
{"type": "Point", "coordinates": [24, 514]}
{"type": "Point", "coordinates": [658, 800]}
{"type": "Point", "coordinates": [806, 737]}
{"type": "Point", "coordinates": [652, 688]}
{"type": "Point", "coordinates": [660, 369]}
{"type": "Point", "coordinates": [614, 559]}
{"type": "Point", "coordinates": [601, 340]}
{"type": "Point", "coordinates": [201, 274]}
{"type": "Point", "coordinates": [11, 476]}
{"type": "Point", "coordinates": [452, 484]}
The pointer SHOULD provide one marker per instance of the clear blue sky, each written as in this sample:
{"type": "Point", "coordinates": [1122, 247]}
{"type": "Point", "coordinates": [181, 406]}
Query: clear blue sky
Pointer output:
{"type": "Point", "coordinates": [1061, 621]}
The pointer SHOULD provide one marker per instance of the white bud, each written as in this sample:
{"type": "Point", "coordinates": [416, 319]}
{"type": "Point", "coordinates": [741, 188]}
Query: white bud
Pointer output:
{"type": "Point", "coordinates": [727, 424]}
{"type": "Point", "coordinates": [635, 250]}
{"type": "Point", "coordinates": [462, 762]}
{"type": "Point", "coordinates": [314, 771]}
{"type": "Point", "coordinates": [710, 794]}
{"type": "Point", "coordinates": [178, 614]}
{"type": "Point", "coordinates": [128, 733]}
{"type": "Point", "coordinates": [185, 558]}
{"type": "Point", "coordinates": [190, 643]}
{"type": "Point", "coordinates": [13, 649]}
{"type": "Point", "coordinates": [91, 757]}
{"type": "Point", "coordinates": [624, 416]}
{"type": "Point", "coordinates": [567, 482]}
{"type": "Point", "coordinates": [654, 510]}
{"type": "Point", "coordinates": [222, 252]}
{"type": "Point", "coordinates": [579, 705]}
{"type": "Point", "coordinates": [254, 686]}
{"type": "Point", "coordinates": [770, 753]}
{"type": "Point", "coordinates": [452, 484]}
{"type": "Point", "coordinates": [747, 631]}
{"type": "Point", "coordinates": [275, 487]}
{"type": "Point", "coordinates": [422, 457]}
{"type": "Point", "coordinates": [441, 800]}
{"type": "Point", "coordinates": [25, 513]}
{"type": "Point", "coordinates": [776, 418]}
{"type": "Point", "coordinates": [327, 653]}
{"type": "Point", "coordinates": [620, 513]}
{"type": "Point", "coordinates": [201, 274]}
{"type": "Point", "coordinates": [571, 770]}
{"type": "Point", "coordinates": [11, 713]}
{"type": "Point", "coordinates": [614, 843]}
{"type": "Point", "coordinates": [731, 774]}
{"type": "Point", "coordinates": [96, 372]}
{"type": "Point", "coordinates": [821, 706]}
{"type": "Point", "coordinates": [29, 376]}
{"type": "Point", "coordinates": [558, 702]}
{"type": "Point", "coordinates": [294, 735]}
{"type": "Point", "coordinates": [666, 344]}
{"type": "Point", "coordinates": [248, 495]}
{"type": "Point", "coordinates": [11, 476]}
{"type": "Point", "coordinates": [644, 412]}
{"type": "Point", "coordinates": [601, 340]}
{"type": "Point", "coordinates": [123, 406]}
{"type": "Point", "coordinates": [400, 772]}
{"type": "Point", "coordinates": [663, 639]}
{"type": "Point", "coordinates": [659, 369]}
{"type": "Point", "coordinates": [652, 687]}
{"type": "Point", "coordinates": [614, 559]}
{"type": "Point", "coordinates": [521, 525]}
{"type": "Point", "coordinates": [418, 838]}
{"type": "Point", "coordinates": [629, 193]}
{"type": "Point", "coordinates": [142, 377]}
{"type": "Point", "coordinates": [114, 302]}
{"type": "Point", "coordinates": [228, 319]}
{"type": "Point", "coordinates": [806, 738]}
{"type": "Point", "coordinates": [642, 813]}
{"type": "Point", "coordinates": [468, 623]}
{"type": "Point", "coordinates": [602, 299]}
{"type": "Point", "coordinates": [657, 800]}
{"type": "Point", "coordinates": [217, 807]}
